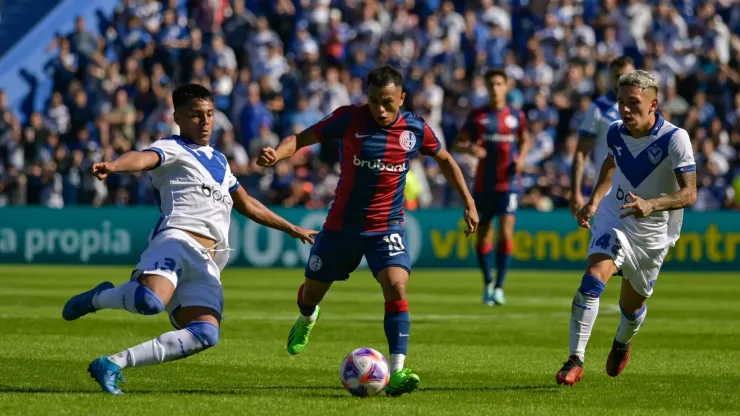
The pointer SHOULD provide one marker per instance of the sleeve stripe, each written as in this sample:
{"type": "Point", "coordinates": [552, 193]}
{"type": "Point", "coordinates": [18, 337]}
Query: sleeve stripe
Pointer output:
{"type": "Point", "coordinates": [436, 149]}
{"type": "Point", "coordinates": [684, 169]}
{"type": "Point", "coordinates": [159, 152]}
{"type": "Point", "coordinates": [234, 187]}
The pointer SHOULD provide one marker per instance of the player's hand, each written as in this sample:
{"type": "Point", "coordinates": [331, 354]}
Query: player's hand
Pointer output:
{"type": "Point", "coordinates": [478, 151]}
{"type": "Point", "coordinates": [471, 219]}
{"type": "Point", "coordinates": [304, 234]}
{"type": "Point", "coordinates": [519, 165]}
{"type": "Point", "coordinates": [267, 157]}
{"type": "Point", "coordinates": [639, 207]}
{"type": "Point", "coordinates": [584, 215]}
{"type": "Point", "coordinates": [576, 203]}
{"type": "Point", "coordinates": [101, 170]}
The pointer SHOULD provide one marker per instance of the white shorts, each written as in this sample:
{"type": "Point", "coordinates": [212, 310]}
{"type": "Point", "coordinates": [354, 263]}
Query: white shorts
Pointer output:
{"type": "Point", "coordinates": [176, 256]}
{"type": "Point", "coordinates": [639, 266]}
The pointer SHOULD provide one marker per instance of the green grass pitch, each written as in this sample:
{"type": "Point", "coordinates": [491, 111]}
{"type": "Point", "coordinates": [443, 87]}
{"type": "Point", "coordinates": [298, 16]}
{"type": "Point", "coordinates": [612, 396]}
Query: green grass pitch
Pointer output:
{"type": "Point", "coordinates": [472, 359]}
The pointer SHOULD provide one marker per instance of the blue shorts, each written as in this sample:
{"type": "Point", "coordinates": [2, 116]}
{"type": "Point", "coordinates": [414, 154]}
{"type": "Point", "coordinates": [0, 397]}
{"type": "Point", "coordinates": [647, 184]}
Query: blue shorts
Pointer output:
{"type": "Point", "coordinates": [336, 254]}
{"type": "Point", "coordinates": [494, 204]}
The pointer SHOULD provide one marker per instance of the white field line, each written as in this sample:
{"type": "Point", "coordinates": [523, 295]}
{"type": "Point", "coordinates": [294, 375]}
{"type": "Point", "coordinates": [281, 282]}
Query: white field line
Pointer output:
{"type": "Point", "coordinates": [606, 310]}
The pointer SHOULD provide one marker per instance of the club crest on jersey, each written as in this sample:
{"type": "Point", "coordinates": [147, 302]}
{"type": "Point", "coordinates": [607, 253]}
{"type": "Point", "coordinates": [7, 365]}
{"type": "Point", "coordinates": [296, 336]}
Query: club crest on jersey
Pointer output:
{"type": "Point", "coordinates": [511, 122]}
{"type": "Point", "coordinates": [407, 140]}
{"type": "Point", "coordinates": [315, 263]}
{"type": "Point", "coordinates": [655, 154]}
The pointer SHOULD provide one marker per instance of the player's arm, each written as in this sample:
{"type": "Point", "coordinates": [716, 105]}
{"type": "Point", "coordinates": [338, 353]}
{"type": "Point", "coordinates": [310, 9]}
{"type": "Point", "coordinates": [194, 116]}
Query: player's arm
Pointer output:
{"type": "Point", "coordinates": [431, 146]}
{"type": "Point", "coordinates": [287, 147]}
{"type": "Point", "coordinates": [603, 184]}
{"type": "Point", "coordinates": [465, 143]}
{"type": "Point", "coordinates": [684, 197]}
{"type": "Point", "coordinates": [129, 162]}
{"type": "Point", "coordinates": [452, 172]}
{"type": "Point", "coordinates": [333, 126]}
{"type": "Point", "coordinates": [586, 139]}
{"type": "Point", "coordinates": [524, 144]}
{"type": "Point", "coordinates": [585, 144]}
{"type": "Point", "coordinates": [257, 212]}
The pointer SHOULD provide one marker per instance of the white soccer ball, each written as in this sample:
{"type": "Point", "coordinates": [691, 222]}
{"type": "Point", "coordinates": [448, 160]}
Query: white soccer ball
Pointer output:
{"type": "Point", "coordinates": [364, 372]}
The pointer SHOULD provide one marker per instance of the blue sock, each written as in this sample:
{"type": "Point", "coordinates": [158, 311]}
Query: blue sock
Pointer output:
{"type": "Point", "coordinates": [503, 258]}
{"type": "Point", "coordinates": [397, 326]}
{"type": "Point", "coordinates": [484, 261]}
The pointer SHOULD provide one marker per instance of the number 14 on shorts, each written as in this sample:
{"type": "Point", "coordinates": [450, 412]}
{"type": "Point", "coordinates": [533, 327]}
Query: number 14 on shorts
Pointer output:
{"type": "Point", "coordinates": [395, 244]}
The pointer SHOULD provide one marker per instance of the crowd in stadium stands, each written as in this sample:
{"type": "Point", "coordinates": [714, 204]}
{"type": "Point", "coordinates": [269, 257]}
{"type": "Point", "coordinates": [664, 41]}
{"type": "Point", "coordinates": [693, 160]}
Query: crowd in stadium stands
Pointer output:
{"type": "Point", "coordinates": [276, 67]}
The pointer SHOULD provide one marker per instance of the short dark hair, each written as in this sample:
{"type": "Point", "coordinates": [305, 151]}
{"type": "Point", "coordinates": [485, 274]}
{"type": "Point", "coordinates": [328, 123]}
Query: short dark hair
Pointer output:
{"type": "Point", "coordinates": [621, 62]}
{"type": "Point", "coordinates": [184, 94]}
{"type": "Point", "coordinates": [384, 76]}
{"type": "Point", "coordinates": [495, 72]}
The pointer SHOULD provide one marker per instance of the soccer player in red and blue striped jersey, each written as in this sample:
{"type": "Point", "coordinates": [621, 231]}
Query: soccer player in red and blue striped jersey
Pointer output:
{"type": "Point", "coordinates": [376, 142]}
{"type": "Point", "coordinates": [496, 133]}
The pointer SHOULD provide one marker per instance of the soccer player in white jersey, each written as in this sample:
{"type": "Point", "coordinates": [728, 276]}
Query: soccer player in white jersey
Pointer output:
{"type": "Point", "coordinates": [180, 270]}
{"type": "Point", "coordinates": [592, 131]}
{"type": "Point", "coordinates": [652, 175]}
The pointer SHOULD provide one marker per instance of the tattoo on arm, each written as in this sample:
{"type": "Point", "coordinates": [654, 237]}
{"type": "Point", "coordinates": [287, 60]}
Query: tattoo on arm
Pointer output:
{"type": "Point", "coordinates": [682, 198]}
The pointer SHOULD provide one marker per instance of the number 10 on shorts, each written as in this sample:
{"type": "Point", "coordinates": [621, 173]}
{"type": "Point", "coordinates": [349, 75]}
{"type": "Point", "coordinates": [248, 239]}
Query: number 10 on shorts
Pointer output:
{"type": "Point", "coordinates": [395, 243]}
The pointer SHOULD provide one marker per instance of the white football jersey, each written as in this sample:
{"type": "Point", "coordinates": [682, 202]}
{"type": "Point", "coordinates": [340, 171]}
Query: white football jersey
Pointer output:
{"type": "Point", "coordinates": [647, 167]}
{"type": "Point", "coordinates": [192, 186]}
{"type": "Point", "coordinates": [599, 116]}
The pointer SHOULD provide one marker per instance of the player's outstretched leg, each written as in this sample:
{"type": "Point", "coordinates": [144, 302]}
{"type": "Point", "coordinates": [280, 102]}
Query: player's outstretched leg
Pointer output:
{"type": "Point", "coordinates": [200, 333]}
{"type": "Point", "coordinates": [147, 296]}
{"type": "Point", "coordinates": [80, 305]}
{"type": "Point", "coordinates": [504, 249]}
{"type": "Point", "coordinates": [634, 311]}
{"type": "Point", "coordinates": [584, 310]}
{"type": "Point", "coordinates": [484, 248]}
{"type": "Point", "coordinates": [397, 325]}
{"type": "Point", "coordinates": [310, 295]}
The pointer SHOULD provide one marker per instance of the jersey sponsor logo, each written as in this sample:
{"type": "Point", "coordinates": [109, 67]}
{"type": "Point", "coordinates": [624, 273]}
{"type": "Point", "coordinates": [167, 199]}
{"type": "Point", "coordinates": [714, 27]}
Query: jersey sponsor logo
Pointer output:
{"type": "Point", "coordinates": [215, 193]}
{"type": "Point", "coordinates": [315, 263]}
{"type": "Point", "coordinates": [378, 165]}
{"type": "Point", "coordinates": [407, 140]}
{"type": "Point", "coordinates": [655, 154]}
{"type": "Point", "coordinates": [511, 122]}
{"type": "Point", "coordinates": [498, 137]}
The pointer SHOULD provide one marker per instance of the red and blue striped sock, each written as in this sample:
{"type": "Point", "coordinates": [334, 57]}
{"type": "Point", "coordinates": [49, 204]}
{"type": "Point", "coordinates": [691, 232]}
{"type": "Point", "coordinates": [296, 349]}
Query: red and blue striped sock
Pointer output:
{"type": "Point", "coordinates": [397, 328]}
{"type": "Point", "coordinates": [503, 257]}
{"type": "Point", "coordinates": [484, 250]}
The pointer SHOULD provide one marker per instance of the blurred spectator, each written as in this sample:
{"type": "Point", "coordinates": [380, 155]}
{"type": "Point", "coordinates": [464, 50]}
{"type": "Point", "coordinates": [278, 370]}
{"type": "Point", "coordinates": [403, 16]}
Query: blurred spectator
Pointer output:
{"type": "Point", "coordinates": [276, 69]}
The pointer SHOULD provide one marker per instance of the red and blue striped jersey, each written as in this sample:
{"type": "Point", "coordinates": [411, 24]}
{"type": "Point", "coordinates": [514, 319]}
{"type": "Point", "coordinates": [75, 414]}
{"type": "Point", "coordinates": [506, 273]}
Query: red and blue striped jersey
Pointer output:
{"type": "Point", "coordinates": [499, 133]}
{"type": "Point", "coordinates": [374, 161]}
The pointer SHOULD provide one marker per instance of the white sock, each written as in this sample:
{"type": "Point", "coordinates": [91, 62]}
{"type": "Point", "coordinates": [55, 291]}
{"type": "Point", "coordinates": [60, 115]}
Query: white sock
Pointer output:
{"type": "Point", "coordinates": [169, 346]}
{"type": "Point", "coordinates": [311, 318]}
{"type": "Point", "coordinates": [582, 318]}
{"type": "Point", "coordinates": [628, 326]}
{"type": "Point", "coordinates": [120, 297]}
{"type": "Point", "coordinates": [397, 361]}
